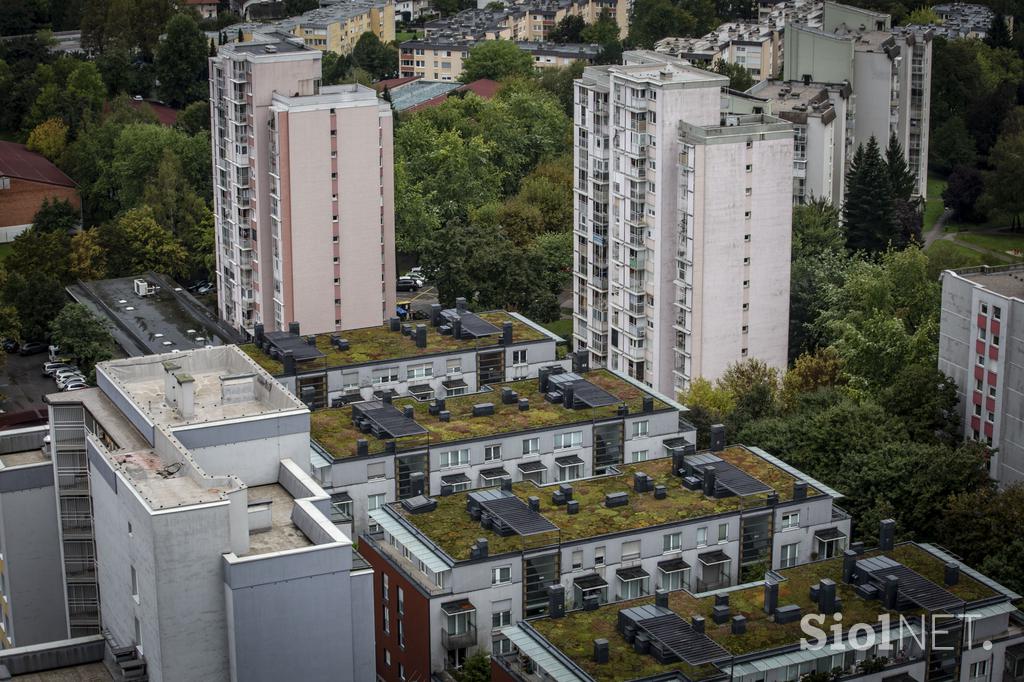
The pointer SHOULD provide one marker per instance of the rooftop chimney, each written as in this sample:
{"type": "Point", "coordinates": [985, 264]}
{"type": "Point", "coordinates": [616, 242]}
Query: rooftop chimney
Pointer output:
{"type": "Point", "coordinates": [506, 333]}
{"type": "Point", "coordinates": [185, 395]}
{"type": "Point", "coordinates": [421, 336]}
{"type": "Point", "coordinates": [892, 587]}
{"type": "Point", "coordinates": [457, 329]}
{"type": "Point", "coordinates": [362, 447]}
{"type": "Point", "coordinates": [661, 598]}
{"type": "Point", "coordinates": [849, 565]}
{"type": "Point", "coordinates": [827, 596]}
{"type": "Point", "coordinates": [288, 361]}
{"type": "Point", "coordinates": [648, 404]}
{"type": "Point", "coordinates": [460, 305]}
{"type": "Point", "coordinates": [771, 597]}
{"type": "Point", "coordinates": [435, 314]}
{"type": "Point", "coordinates": [886, 535]}
{"type": "Point", "coordinates": [799, 490]}
{"type": "Point", "coordinates": [600, 645]}
{"type": "Point", "coordinates": [739, 625]}
{"type": "Point", "coordinates": [481, 546]}
{"type": "Point", "coordinates": [717, 437]}
{"type": "Point", "coordinates": [394, 324]}
{"type": "Point", "coordinates": [709, 480]}
{"type": "Point", "coordinates": [951, 573]}
{"type": "Point", "coordinates": [697, 622]}
{"type": "Point", "coordinates": [556, 601]}
{"type": "Point", "coordinates": [293, 328]}
{"type": "Point", "coordinates": [258, 334]}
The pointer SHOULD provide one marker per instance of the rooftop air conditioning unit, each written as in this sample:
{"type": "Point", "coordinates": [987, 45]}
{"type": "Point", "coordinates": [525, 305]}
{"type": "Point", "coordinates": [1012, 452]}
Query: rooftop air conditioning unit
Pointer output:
{"type": "Point", "coordinates": [144, 288]}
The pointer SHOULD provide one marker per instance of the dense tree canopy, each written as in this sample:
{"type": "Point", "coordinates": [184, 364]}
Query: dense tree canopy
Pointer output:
{"type": "Point", "coordinates": [496, 60]}
{"type": "Point", "coordinates": [181, 62]}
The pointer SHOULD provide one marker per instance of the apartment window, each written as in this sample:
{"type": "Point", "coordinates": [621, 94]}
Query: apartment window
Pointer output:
{"type": "Point", "coordinates": [455, 458]}
{"type": "Point", "coordinates": [790, 520]}
{"type": "Point", "coordinates": [564, 441]}
{"type": "Point", "coordinates": [492, 452]}
{"type": "Point", "coordinates": [746, 284]}
{"type": "Point", "coordinates": [746, 306]}
{"type": "Point", "coordinates": [374, 502]}
{"type": "Point", "coordinates": [424, 371]}
{"type": "Point", "coordinates": [401, 600]}
{"type": "Point", "coordinates": [387, 658]}
{"type": "Point", "coordinates": [790, 555]}
{"type": "Point", "coordinates": [386, 618]}
{"type": "Point", "coordinates": [334, 133]}
{"type": "Point", "coordinates": [746, 237]}
{"type": "Point", "coordinates": [750, 144]}
{"type": "Point", "coordinates": [981, 333]}
{"type": "Point", "coordinates": [746, 214]}
{"type": "Point", "coordinates": [746, 261]}
{"type": "Point", "coordinates": [991, 391]}
{"type": "Point", "coordinates": [401, 671]}
{"type": "Point", "coordinates": [401, 634]}
{"type": "Point", "coordinates": [641, 428]}
{"type": "Point", "coordinates": [997, 312]}
{"type": "Point", "coordinates": [981, 360]}
{"type": "Point", "coordinates": [385, 585]}
{"type": "Point", "coordinates": [135, 585]}
{"type": "Point", "coordinates": [129, 529]}
{"type": "Point", "coordinates": [519, 357]}
{"type": "Point", "coordinates": [385, 375]}
{"type": "Point", "coordinates": [979, 670]}
{"type": "Point", "coordinates": [375, 471]}
{"type": "Point", "coordinates": [639, 456]}
{"type": "Point", "coordinates": [743, 352]}
{"type": "Point", "coordinates": [745, 329]}
{"type": "Point", "coordinates": [599, 556]}
{"type": "Point", "coordinates": [750, 168]}
{"type": "Point", "coordinates": [977, 410]}
{"type": "Point", "coordinates": [5, 183]}
{"type": "Point", "coordinates": [723, 532]}
{"type": "Point", "coordinates": [531, 446]}
{"type": "Point", "coordinates": [671, 542]}
{"type": "Point", "coordinates": [334, 176]}
{"type": "Point", "coordinates": [702, 537]}
{"type": "Point", "coordinates": [501, 575]}
{"type": "Point", "coordinates": [991, 417]}
{"type": "Point", "coordinates": [453, 366]}
{"type": "Point", "coordinates": [978, 384]}
{"type": "Point", "coordinates": [984, 308]}
{"type": "Point", "coordinates": [995, 340]}
{"type": "Point", "coordinates": [577, 560]}
{"type": "Point", "coordinates": [631, 550]}
{"type": "Point", "coordinates": [502, 618]}
{"type": "Point", "coordinates": [747, 192]}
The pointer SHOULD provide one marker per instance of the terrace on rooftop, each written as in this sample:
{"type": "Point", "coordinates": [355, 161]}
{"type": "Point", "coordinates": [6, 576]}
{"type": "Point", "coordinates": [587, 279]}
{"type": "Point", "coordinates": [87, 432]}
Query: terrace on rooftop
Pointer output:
{"type": "Point", "coordinates": [450, 528]}
{"type": "Point", "coordinates": [573, 636]}
{"type": "Point", "coordinates": [334, 430]}
{"type": "Point", "coordinates": [380, 343]}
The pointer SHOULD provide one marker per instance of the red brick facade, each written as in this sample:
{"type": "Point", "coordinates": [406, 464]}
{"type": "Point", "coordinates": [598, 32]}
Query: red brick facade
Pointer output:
{"type": "Point", "coordinates": [19, 204]}
{"type": "Point", "coordinates": [414, 657]}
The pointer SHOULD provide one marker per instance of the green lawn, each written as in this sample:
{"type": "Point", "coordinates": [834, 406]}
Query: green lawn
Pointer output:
{"type": "Point", "coordinates": [402, 36]}
{"type": "Point", "coordinates": [953, 255]}
{"type": "Point", "coordinates": [561, 327]}
{"type": "Point", "coordinates": [933, 207]}
{"type": "Point", "coordinates": [1000, 243]}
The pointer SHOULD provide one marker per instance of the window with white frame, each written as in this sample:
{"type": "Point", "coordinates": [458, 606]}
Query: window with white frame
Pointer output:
{"type": "Point", "coordinates": [454, 366]}
{"type": "Point", "coordinates": [387, 617]}
{"type": "Point", "coordinates": [702, 537]}
{"type": "Point", "coordinates": [723, 532]}
{"type": "Point", "coordinates": [564, 441]}
{"type": "Point", "coordinates": [375, 502]}
{"type": "Point", "coordinates": [384, 375]}
{"type": "Point", "coordinates": [674, 580]}
{"type": "Point", "coordinates": [671, 542]}
{"type": "Point", "coordinates": [599, 556]}
{"type": "Point", "coordinates": [401, 600]}
{"type": "Point", "coordinates": [577, 559]}
{"type": "Point", "coordinates": [638, 456]}
{"type": "Point", "coordinates": [630, 550]}
{"type": "Point", "coordinates": [501, 645]}
{"type": "Point", "coordinates": [455, 458]}
{"type": "Point", "coordinates": [790, 555]}
{"type": "Point", "coordinates": [501, 575]}
{"type": "Point", "coordinates": [492, 452]}
{"type": "Point", "coordinates": [375, 471]}
{"type": "Point", "coordinates": [979, 670]}
{"type": "Point", "coordinates": [519, 356]}
{"type": "Point", "coordinates": [641, 428]}
{"type": "Point", "coordinates": [501, 614]}
{"type": "Point", "coordinates": [349, 381]}
{"type": "Point", "coordinates": [531, 446]}
{"type": "Point", "coordinates": [423, 371]}
{"type": "Point", "coordinates": [790, 520]}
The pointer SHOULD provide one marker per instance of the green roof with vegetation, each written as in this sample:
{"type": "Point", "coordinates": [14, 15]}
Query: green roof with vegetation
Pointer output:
{"type": "Point", "coordinates": [574, 635]}
{"type": "Point", "coordinates": [373, 344]}
{"type": "Point", "coordinates": [334, 430]}
{"type": "Point", "coordinates": [450, 528]}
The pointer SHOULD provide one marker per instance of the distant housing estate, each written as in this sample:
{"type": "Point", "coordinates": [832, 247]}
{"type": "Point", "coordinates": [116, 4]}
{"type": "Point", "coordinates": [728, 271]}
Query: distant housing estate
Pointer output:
{"type": "Point", "coordinates": [335, 26]}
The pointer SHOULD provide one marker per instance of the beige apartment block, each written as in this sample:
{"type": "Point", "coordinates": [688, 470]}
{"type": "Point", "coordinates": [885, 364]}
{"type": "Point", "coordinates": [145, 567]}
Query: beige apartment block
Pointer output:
{"type": "Point", "coordinates": [304, 198]}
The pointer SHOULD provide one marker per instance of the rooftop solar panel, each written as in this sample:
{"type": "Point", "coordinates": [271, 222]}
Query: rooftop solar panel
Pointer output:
{"type": "Point", "coordinates": [300, 349]}
{"type": "Point", "coordinates": [476, 326]}
{"type": "Point", "coordinates": [386, 420]}
{"type": "Point", "coordinates": [913, 586]}
{"type": "Point", "coordinates": [513, 512]}
{"type": "Point", "coordinates": [727, 477]}
{"type": "Point", "coordinates": [679, 637]}
{"type": "Point", "coordinates": [584, 393]}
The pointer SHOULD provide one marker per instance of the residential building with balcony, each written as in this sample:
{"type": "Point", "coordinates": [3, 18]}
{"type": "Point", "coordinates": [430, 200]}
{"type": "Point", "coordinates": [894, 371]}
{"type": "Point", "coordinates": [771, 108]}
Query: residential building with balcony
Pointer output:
{"type": "Point", "coordinates": [558, 427]}
{"type": "Point", "coordinates": [335, 26]}
{"type": "Point", "coordinates": [439, 57]}
{"type": "Point", "coordinates": [425, 359]}
{"type": "Point", "coordinates": [673, 200]}
{"type": "Point", "coordinates": [32, 609]}
{"type": "Point", "coordinates": [981, 334]}
{"type": "Point", "coordinates": [909, 612]}
{"type": "Point", "coordinates": [455, 572]}
{"type": "Point", "coordinates": [296, 208]}
{"type": "Point", "coordinates": [888, 69]}
{"type": "Point", "coordinates": [195, 520]}
{"type": "Point", "coordinates": [964, 20]}
{"type": "Point", "coordinates": [755, 46]}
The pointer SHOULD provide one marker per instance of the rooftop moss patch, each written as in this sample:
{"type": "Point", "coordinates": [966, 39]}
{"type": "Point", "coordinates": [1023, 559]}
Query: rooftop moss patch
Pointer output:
{"type": "Point", "coordinates": [373, 344]}
{"type": "Point", "coordinates": [574, 634]}
{"type": "Point", "coordinates": [333, 429]}
{"type": "Point", "coordinates": [450, 527]}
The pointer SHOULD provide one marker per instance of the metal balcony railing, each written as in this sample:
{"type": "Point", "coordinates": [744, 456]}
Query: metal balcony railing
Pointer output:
{"type": "Point", "coordinates": [459, 640]}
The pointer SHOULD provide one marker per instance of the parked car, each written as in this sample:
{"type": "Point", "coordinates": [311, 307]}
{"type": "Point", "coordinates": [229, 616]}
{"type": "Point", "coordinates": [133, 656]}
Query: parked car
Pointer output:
{"type": "Point", "coordinates": [75, 386]}
{"type": "Point", "coordinates": [51, 368]}
{"type": "Point", "coordinates": [414, 277]}
{"type": "Point", "coordinates": [10, 346]}
{"type": "Point", "coordinates": [417, 271]}
{"type": "Point", "coordinates": [33, 348]}
{"type": "Point", "coordinates": [63, 376]}
{"type": "Point", "coordinates": [64, 382]}
{"type": "Point", "coordinates": [198, 285]}
{"type": "Point", "coordinates": [206, 289]}
{"type": "Point", "coordinates": [406, 284]}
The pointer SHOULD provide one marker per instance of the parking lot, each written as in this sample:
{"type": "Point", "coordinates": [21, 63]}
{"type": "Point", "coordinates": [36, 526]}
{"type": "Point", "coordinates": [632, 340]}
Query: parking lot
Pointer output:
{"type": "Point", "coordinates": [22, 382]}
{"type": "Point", "coordinates": [419, 301]}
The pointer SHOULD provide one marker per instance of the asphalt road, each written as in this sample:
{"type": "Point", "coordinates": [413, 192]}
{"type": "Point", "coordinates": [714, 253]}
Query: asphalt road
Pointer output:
{"type": "Point", "coordinates": [22, 382]}
{"type": "Point", "coordinates": [419, 300]}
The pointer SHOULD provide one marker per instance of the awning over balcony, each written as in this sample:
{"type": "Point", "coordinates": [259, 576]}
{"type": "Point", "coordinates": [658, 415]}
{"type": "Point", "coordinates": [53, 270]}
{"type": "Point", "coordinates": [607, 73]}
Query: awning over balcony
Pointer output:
{"type": "Point", "coordinates": [590, 582]}
{"type": "Point", "coordinates": [828, 534]}
{"type": "Point", "coordinates": [530, 467]}
{"type": "Point", "coordinates": [458, 606]}
{"type": "Point", "coordinates": [568, 461]}
{"type": "Point", "coordinates": [495, 474]}
{"type": "Point", "coordinates": [540, 654]}
{"type": "Point", "coordinates": [631, 573]}
{"type": "Point", "coordinates": [454, 383]}
{"type": "Point", "coordinates": [672, 565]}
{"type": "Point", "coordinates": [419, 550]}
{"type": "Point", "coordinates": [715, 557]}
{"type": "Point", "coordinates": [455, 479]}
{"type": "Point", "coordinates": [421, 390]}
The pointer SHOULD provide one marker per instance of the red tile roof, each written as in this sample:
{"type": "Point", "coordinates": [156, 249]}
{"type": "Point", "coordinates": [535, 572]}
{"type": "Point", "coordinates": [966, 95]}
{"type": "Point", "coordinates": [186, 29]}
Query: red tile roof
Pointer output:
{"type": "Point", "coordinates": [392, 83]}
{"type": "Point", "coordinates": [484, 87]}
{"type": "Point", "coordinates": [16, 161]}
